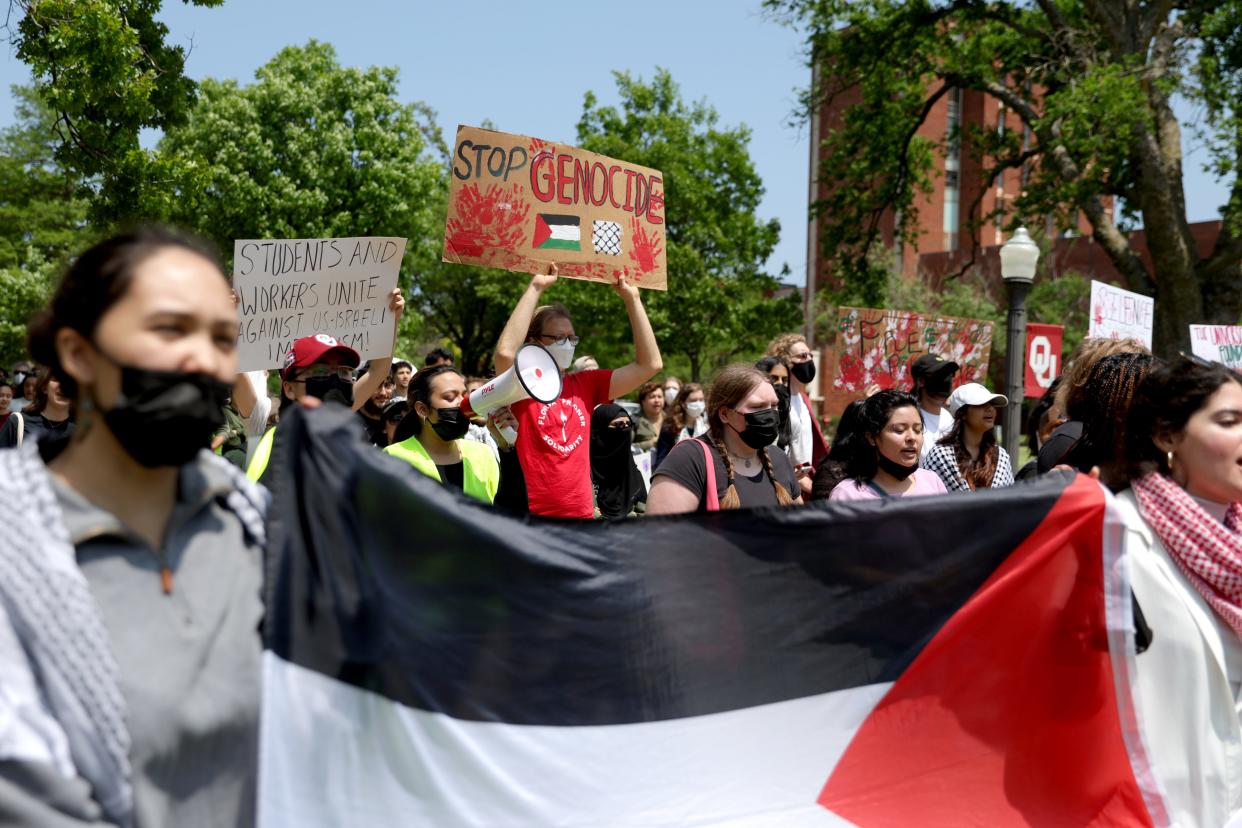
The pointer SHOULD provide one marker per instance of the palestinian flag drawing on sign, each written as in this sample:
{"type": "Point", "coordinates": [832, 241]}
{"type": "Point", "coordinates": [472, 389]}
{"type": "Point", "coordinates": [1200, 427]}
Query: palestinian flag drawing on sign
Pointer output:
{"type": "Point", "coordinates": [556, 232]}
{"type": "Point", "coordinates": [887, 663]}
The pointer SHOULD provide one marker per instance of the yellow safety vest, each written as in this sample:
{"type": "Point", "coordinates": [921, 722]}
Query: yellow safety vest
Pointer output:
{"type": "Point", "coordinates": [262, 454]}
{"type": "Point", "coordinates": [480, 472]}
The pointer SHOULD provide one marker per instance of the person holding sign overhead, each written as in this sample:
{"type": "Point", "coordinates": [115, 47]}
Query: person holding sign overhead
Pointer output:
{"type": "Point", "coordinates": [555, 439]}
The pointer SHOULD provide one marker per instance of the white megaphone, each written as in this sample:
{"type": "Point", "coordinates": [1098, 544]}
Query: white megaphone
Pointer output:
{"type": "Point", "coordinates": [534, 374]}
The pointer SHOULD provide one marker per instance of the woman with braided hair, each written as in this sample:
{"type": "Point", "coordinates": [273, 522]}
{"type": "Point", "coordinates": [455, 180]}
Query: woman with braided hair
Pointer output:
{"type": "Point", "coordinates": [1181, 513]}
{"type": "Point", "coordinates": [735, 464]}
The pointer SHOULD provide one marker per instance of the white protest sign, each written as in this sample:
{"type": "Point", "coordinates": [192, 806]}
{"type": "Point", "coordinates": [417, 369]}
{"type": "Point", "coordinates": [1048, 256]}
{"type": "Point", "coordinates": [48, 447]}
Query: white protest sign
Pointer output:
{"type": "Point", "coordinates": [1120, 314]}
{"type": "Point", "coordinates": [290, 288]}
{"type": "Point", "coordinates": [1218, 343]}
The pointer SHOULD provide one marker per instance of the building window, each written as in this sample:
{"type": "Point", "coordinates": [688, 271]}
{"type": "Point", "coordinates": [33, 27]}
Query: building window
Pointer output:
{"type": "Point", "coordinates": [952, 167]}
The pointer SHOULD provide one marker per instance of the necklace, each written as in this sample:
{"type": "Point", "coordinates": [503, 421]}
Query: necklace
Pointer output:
{"type": "Point", "coordinates": [747, 463]}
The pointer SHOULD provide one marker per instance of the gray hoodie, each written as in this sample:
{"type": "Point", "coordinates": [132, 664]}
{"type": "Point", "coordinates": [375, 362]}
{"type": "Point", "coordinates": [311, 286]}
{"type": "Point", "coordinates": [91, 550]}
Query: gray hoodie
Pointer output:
{"type": "Point", "coordinates": [188, 664]}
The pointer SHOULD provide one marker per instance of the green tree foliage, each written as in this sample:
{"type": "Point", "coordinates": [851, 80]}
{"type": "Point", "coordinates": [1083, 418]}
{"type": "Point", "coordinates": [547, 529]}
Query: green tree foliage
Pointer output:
{"type": "Point", "coordinates": [1093, 85]}
{"type": "Point", "coordinates": [718, 306]}
{"type": "Point", "coordinates": [105, 71]}
{"type": "Point", "coordinates": [42, 219]}
{"type": "Point", "coordinates": [310, 149]}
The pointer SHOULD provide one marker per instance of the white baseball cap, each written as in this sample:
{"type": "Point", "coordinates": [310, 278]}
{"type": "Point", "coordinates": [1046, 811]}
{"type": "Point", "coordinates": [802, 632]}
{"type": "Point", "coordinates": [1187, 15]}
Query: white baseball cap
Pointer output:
{"type": "Point", "coordinates": [972, 393]}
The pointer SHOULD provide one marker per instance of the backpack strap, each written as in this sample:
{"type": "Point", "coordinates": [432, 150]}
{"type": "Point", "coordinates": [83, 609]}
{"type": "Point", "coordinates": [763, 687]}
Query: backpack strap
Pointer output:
{"type": "Point", "coordinates": [712, 498]}
{"type": "Point", "coordinates": [21, 427]}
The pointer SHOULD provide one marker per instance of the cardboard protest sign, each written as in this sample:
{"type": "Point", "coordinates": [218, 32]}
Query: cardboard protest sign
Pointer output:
{"type": "Point", "coordinates": [877, 346]}
{"type": "Point", "coordinates": [1218, 343]}
{"type": "Point", "coordinates": [290, 288]}
{"type": "Point", "coordinates": [520, 203]}
{"type": "Point", "coordinates": [1120, 314]}
{"type": "Point", "coordinates": [1043, 357]}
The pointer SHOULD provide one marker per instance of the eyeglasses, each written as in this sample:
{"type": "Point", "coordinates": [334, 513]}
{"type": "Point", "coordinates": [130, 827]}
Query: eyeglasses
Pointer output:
{"type": "Point", "coordinates": [324, 371]}
{"type": "Point", "coordinates": [804, 357]}
{"type": "Point", "coordinates": [550, 339]}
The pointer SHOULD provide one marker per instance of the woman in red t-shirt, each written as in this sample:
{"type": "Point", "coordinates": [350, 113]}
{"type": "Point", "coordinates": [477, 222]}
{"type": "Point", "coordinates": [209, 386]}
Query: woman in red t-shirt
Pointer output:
{"type": "Point", "coordinates": [554, 440]}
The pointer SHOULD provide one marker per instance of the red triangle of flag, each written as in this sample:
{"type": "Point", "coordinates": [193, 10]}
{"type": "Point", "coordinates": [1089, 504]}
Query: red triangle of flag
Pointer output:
{"type": "Point", "coordinates": [542, 231]}
{"type": "Point", "coordinates": [1008, 716]}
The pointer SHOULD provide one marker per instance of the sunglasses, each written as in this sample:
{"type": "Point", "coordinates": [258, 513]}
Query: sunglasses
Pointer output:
{"type": "Point", "coordinates": [1207, 363]}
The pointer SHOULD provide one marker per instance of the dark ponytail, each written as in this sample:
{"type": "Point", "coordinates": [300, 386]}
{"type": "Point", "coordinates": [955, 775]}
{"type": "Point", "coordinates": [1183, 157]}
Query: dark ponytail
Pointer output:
{"type": "Point", "coordinates": [420, 391]}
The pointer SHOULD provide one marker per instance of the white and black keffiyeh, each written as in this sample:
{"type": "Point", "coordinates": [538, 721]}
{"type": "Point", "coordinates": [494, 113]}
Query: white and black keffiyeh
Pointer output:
{"type": "Point", "coordinates": [54, 615]}
{"type": "Point", "coordinates": [943, 461]}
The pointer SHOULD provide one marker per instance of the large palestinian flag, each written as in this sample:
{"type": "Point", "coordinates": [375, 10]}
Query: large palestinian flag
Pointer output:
{"type": "Point", "coordinates": [940, 661]}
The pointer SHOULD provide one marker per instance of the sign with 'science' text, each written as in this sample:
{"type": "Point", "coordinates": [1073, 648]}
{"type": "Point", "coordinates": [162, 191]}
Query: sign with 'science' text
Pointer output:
{"type": "Point", "coordinates": [1117, 313]}
{"type": "Point", "coordinates": [290, 288]}
{"type": "Point", "coordinates": [521, 204]}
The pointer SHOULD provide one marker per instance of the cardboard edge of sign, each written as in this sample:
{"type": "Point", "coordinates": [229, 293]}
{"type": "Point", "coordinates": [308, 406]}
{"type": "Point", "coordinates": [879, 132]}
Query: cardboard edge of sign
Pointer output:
{"type": "Point", "coordinates": [451, 258]}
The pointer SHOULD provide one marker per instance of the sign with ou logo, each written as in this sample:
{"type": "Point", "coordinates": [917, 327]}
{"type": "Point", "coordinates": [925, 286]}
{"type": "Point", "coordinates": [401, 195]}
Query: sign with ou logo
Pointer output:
{"type": "Point", "coordinates": [1043, 357]}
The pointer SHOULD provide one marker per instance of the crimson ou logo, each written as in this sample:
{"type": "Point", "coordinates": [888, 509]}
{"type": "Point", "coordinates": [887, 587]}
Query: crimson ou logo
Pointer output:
{"type": "Point", "coordinates": [1042, 360]}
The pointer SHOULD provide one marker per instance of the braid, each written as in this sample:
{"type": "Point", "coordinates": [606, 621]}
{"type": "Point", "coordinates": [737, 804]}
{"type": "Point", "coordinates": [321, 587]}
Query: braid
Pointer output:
{"type": "Point", "coordinates": [731, 500]}
{"type": "Point", "coordinates": [782, 494]}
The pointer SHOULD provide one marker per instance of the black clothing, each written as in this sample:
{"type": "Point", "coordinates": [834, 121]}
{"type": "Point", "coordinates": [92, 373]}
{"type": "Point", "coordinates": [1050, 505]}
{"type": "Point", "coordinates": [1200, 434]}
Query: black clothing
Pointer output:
{"type": "Point", "coordinates": [685, 465]}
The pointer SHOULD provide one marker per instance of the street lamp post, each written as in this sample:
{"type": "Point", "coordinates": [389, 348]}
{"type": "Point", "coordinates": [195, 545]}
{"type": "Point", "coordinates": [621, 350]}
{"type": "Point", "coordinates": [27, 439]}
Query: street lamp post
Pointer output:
{"type": "Point", "coordinates": [1018, 257]}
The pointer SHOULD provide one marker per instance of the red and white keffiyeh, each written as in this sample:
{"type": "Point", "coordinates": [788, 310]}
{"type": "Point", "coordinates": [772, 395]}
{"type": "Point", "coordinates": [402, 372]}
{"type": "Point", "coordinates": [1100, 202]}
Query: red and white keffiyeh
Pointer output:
{"type": "Point", "coordinates": [1209, 554]}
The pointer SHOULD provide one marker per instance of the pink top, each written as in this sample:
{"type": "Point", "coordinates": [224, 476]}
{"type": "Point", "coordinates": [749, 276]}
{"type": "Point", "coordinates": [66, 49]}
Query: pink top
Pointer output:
{"type": "Point", "coordinates": [925, 483]}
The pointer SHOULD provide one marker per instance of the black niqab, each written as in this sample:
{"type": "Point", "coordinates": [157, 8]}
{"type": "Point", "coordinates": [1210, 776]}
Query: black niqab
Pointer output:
{"type": "Point", "coordinates": [618, 483]}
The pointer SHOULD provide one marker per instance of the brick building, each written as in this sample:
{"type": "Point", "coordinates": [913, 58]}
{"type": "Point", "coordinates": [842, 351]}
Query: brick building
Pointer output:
{"type": "Point", "coordinates": [942, 243]}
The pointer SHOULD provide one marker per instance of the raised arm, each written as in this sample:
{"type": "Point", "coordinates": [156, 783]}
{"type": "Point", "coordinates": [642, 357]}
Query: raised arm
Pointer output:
{"type": "Point", "coordinates": [514, 334]}
{"type": "Point", "coordinates": [379, 369]}
{"type": "Point", "coordinates": [647, 361]}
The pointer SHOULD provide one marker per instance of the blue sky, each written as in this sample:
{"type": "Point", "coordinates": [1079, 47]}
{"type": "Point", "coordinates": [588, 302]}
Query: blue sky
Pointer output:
{"type": "Point", "coordinates": [526, 66]}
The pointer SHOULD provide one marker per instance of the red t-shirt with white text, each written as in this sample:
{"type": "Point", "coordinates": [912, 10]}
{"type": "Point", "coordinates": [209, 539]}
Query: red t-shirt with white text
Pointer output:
{"type": "Point", "coordinates": [554, 446]}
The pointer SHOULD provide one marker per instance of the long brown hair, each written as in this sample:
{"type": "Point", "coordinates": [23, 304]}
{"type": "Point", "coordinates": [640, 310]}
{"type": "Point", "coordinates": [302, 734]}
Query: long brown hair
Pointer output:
{"type": "Point", "coordinates": [676, 416]}
{"type": "Point", "coordinates": [730, 386]}
{"type": "Point", "coordinates": [979, 470]}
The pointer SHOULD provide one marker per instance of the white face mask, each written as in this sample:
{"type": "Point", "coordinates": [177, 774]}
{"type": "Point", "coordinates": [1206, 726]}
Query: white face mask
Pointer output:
{"type": "Point", "coordinates": [670, 394]}
{"type": "Point", "coordinates": [696, 409]}
{"type": "Point", "coordinates": [563, 353]}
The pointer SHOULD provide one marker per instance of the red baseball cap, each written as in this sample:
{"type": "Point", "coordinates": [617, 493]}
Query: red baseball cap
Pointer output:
{"type": "Point", "coordinates": [315, 348]}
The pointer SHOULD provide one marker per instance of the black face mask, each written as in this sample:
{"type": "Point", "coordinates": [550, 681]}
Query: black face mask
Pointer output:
{"type": "Point", "coordinates": [939, 385]}
{"type": "Point", "coordinates": [761, 429]}
{"type": "Point", "coordinates": [450, 425]}
{"type": "Point", "coordinates": [163, 418]}
{"type": "Point", "coordinates": [894, 468]}
{"type": "Point", "coordinates": [331, 389]}
{"type": "Point", "coordinates": [804, 372]}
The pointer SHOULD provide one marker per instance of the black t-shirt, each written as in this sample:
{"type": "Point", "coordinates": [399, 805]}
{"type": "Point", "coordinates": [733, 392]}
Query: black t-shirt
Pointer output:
{"type": "Point", "coordinates": [685, 465]}
{"type": "Point", "coordinates": [454, 475]}
{"type": "Point", "coordinates": [376, 435]}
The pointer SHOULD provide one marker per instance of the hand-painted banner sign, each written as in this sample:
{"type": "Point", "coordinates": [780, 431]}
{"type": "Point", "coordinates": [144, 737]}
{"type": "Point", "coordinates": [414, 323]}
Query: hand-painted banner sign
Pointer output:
{"type": "Point", "coordinates": [1120, 314]}
{"type": "Point", "coordinates": [1043, 356]}
{"type": "Point", "coordinates": [290, 288]}
{"type": "Point", "coordinates": [875, 347]}
{"type": "Point", "coordinates": [1218, 343]}
{"type": "Point", "coordinates": [520, 204]}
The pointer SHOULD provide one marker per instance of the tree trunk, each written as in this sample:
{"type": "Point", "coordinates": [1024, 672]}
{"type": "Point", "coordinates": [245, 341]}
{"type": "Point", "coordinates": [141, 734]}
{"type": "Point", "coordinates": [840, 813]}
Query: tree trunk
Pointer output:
{"type": "Point", "coordinates": [695, 369]}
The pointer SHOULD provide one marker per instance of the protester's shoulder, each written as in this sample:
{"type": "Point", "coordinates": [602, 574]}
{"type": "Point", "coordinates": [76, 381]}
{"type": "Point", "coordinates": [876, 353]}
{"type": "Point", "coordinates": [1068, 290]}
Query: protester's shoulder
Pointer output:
{"type": "Point", "coordinates": [1126, 504]}
{"type": "Point", "coordinates": [247, 500]}
{"type": "Point", "coordinates": [684, 462]}
{"type": "Point", "coordinates": [781, 464]}
{"type": "Point", "coordinates": [930, 481]}
{"type": "Point", "coordinates": [850, 489]}
{"type": "Point", "coordinates": [591, 385]}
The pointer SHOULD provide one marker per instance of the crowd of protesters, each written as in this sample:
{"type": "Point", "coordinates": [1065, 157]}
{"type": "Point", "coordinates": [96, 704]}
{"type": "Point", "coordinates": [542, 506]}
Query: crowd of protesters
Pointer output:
{"type": "Point", "coordinates": [137, 375]}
